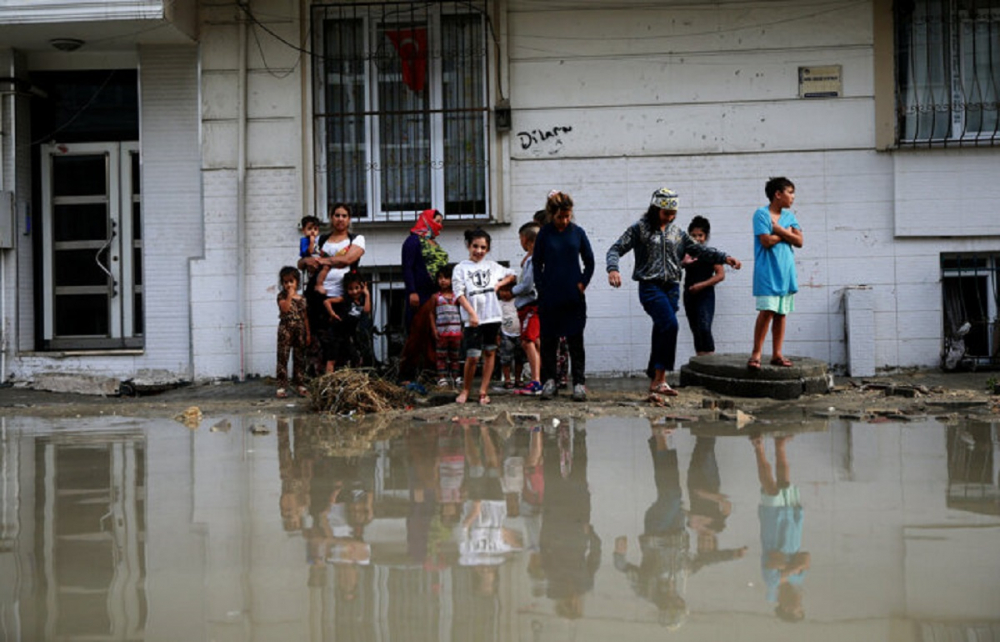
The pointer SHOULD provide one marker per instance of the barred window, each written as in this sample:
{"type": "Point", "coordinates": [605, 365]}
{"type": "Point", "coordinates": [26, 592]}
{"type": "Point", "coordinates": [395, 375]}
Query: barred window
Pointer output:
{"type": "Point", "coordinates": [948, 71]}
{"type": "Point", "coordinates": [971, 296]}
{"type": "Point", "coordinates": [401, 108]}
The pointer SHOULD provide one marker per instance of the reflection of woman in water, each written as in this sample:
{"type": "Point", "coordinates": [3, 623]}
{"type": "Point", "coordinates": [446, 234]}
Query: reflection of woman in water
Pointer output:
{"type": "Point", "coordinates": [570, 549]}
{"type": "Point", "coordinates": [783, 565]}
{"type": "Point", "coordinates": [341, 506]}
{"type": "Point", "coordinates": [661, 576]}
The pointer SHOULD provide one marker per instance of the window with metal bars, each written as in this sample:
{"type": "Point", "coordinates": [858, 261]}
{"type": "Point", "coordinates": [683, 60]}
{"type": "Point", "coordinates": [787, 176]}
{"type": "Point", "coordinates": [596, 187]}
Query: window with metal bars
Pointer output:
{"type": "Point", "coordinates": [402, 108]}
{"type": "Point", "coordinates": [948, 71]}
{"type": "Point", "coordinates": [971, 291]}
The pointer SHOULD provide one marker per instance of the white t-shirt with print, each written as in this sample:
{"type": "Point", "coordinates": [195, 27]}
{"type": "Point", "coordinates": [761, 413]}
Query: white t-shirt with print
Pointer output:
{"type": "Point", "coordinates": [477, 282]}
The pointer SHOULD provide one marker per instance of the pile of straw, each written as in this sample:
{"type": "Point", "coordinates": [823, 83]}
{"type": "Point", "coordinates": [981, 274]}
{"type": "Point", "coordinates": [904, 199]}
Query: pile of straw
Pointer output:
{"type": "Point", "coordinates": [351, 391]}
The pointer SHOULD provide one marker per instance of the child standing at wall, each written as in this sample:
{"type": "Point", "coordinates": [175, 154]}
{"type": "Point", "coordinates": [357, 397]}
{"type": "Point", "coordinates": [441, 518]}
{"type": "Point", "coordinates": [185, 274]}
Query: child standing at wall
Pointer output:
{"type": "Point", "coordinates": [776, 231]}
{"type": "Point", "coordinates": [346, 314]}
{"type": "Point", "coordinates": [293, 331]}
{"type": "Point", "coordinates": [446, 324]}
{"type": "Point", "coordinates": [526, 301]}
{"type": "Point", "coordinates": [700, 278]}
{"type": "Point", "coordinates": [476, 282]}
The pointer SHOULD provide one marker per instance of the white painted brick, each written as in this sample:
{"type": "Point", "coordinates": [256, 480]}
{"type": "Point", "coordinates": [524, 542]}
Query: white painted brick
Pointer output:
{"type": "Point", "coordinates": [860, 332]}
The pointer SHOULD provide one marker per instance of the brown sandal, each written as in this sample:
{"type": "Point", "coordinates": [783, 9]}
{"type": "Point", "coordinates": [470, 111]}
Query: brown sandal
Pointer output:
{"type": "Point", "coordinates": [781, 361]}
{"type": "Point", "coordinates": [753, 364]}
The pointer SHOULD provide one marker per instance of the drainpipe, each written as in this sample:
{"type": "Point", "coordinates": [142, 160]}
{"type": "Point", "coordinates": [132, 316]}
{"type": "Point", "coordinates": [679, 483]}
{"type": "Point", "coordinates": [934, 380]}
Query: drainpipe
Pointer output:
{"type": "Point", "coordinates": [241, 175]}
{"type": "Point", "coordinates": [6, 132]}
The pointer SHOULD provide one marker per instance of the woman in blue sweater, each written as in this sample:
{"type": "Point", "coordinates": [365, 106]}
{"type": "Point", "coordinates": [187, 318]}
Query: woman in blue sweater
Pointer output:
{"type": "Point", "coordinates": [561, 279]}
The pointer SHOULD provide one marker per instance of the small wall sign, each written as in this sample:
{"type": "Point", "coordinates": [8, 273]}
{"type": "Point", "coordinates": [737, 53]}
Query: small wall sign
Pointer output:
{"type": "Point", "coordinates": [820, 82]}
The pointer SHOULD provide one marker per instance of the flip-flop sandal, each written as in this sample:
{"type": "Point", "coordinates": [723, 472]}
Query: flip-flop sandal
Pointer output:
{"type": "Point", "coordinates": [484, 399]}
{"type": "Point", "coordinates": [281, 394]}
{"type": "Point", "coordinates": [753, 364]}
{"type": "Point", "coordinates": [303, 391]}
{"type": "Point", "coordinates": [781, 361]}
{"type": "Point", "coordinates": [663, 389]}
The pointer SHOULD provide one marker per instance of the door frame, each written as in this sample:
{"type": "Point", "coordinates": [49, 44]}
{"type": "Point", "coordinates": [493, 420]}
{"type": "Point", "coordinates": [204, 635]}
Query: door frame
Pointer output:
{"type": "Point", "coordinates": [119, 193]}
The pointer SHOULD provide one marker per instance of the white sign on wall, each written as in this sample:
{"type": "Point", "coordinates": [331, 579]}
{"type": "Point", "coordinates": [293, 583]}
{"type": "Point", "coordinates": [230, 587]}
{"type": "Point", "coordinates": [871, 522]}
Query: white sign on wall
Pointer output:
{"type": "Point", "coordinates": [820, 82]}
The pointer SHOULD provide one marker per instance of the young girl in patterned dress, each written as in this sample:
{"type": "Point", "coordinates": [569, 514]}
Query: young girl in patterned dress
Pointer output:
{"type": "Point", "coordinates": [446, 324]}
{"type": "Point", "coordinates": [293, 331]}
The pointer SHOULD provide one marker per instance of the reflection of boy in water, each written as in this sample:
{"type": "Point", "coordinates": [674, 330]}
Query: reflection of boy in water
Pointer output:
{"type": "Point", "coordinates": [782, 564]}
{"type": "Point", "coordinates": [532, 498]}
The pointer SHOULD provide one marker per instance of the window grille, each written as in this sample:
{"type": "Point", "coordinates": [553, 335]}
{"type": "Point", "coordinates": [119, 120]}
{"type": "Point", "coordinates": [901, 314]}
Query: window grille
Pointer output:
{"type": "Point", "coordinates": [971, 291]}
{"type": "Point", "coordinates": [948, 71]}
{"type": "Point", "coordinates": [402, 108]}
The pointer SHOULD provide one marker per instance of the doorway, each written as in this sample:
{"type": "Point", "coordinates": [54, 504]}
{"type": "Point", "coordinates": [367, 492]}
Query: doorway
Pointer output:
{"type": "Point", "coordinates": [92, 246]}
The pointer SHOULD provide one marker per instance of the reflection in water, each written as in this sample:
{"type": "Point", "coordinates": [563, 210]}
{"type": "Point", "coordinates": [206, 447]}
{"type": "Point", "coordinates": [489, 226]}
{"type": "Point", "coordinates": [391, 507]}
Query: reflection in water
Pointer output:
{"type": "Point", "coordinates": [569, 548]}
{"type": "Point", "coordinates": [87, 536]}
{"type": "Point", "coordinates": [782, 563]}
{"type": "Point", "coordinates": [973, 474]}
{"type": "Point", "coordinates": [661, 576]}
{"type": "Point", "coordinates": [483, 530]}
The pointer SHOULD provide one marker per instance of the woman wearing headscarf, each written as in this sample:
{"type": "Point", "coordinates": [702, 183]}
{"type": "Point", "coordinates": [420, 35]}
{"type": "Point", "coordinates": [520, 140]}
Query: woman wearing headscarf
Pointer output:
{"type": "Point", "coordinates": [422, 258]}
{"type": "Point", "coordinates": [659, 246]}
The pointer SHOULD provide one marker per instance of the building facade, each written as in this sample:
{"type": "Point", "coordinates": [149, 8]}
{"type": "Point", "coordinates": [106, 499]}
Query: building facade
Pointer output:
{"type": "Point", "coordinates": [158, 156]}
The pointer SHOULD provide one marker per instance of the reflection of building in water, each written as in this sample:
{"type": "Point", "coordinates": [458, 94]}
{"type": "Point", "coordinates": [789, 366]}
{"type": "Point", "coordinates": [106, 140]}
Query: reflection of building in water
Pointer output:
{"type": "Point", "coordinates": [73, 542]}
{"type": "Point", "coordinates": [974, 468]}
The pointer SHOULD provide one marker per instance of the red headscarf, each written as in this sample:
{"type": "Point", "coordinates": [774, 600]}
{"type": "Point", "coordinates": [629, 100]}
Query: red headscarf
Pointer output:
{"type": "Point", "coordinates": [426, 226]}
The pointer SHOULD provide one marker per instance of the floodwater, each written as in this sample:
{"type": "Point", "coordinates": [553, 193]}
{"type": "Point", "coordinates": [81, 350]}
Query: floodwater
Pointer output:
{"type": "Point", "coordinates": [606, 529]}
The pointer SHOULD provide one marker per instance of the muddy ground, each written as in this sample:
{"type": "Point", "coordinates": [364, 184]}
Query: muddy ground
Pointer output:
{"type": "Point", "coordinates": [900, 396]}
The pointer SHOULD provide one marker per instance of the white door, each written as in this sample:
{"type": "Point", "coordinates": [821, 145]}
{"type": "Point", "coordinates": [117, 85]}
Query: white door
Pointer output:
{"type": "Point", "coordinates": [92, 246]}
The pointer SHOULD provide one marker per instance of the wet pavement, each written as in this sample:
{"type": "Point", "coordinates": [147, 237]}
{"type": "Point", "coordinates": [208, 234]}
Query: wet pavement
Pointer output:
{"type": "Point", "coordinates": [278, 526]}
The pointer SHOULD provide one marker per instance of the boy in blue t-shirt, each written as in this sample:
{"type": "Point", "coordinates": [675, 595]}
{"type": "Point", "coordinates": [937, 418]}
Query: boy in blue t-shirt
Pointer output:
{"type": "Point", "coordinates": [776, 231]}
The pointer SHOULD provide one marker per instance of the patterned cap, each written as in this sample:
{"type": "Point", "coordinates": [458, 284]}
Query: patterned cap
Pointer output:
{"type": "Point", "coordinates": [665, 199]}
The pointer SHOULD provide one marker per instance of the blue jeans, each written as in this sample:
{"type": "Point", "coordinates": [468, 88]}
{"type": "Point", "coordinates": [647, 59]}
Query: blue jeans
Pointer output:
{"type": "Point", "coordinates": [700, 310]}
{"type": "Point", "coordinates": [661, 302]}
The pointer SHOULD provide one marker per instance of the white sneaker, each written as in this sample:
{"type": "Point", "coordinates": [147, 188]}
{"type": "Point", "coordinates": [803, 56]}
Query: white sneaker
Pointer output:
{"type": "Point", "coordinates": [579, 392]}
{"type": "Point", "coordinates": [549, 389]}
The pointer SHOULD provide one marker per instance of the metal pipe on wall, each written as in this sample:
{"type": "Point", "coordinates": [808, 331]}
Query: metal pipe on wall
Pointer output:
{"type": "Point", "coordinates": [241, 174]}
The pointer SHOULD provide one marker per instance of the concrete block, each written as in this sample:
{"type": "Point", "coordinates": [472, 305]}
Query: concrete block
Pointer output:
{"type": "Point", "coordinates": [81, 384]}
{"type": "Point", "coordinates": [860, 331]}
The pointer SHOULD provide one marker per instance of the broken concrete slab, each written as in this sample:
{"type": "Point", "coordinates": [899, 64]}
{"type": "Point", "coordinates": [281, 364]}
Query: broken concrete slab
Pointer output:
{"type": "Point", "coordinates": [81, 384]}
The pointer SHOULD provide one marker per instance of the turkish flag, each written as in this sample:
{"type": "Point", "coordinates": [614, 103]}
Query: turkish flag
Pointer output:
{"type": "Point", "coordinates": [411, 45]}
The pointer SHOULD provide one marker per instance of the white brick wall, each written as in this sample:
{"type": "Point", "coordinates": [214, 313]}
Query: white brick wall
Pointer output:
{"type": "Point", "coordinates": [712, 118]}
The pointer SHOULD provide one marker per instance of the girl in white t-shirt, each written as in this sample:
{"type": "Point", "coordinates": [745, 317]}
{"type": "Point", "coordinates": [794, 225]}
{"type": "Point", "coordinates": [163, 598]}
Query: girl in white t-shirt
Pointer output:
{"type": "Point", "coordinates": [475, 283]}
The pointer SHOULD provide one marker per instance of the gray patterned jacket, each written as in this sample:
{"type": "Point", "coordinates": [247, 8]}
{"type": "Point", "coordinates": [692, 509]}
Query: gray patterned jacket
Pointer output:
{"type": "Point", "coordinates": [658, 253]}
